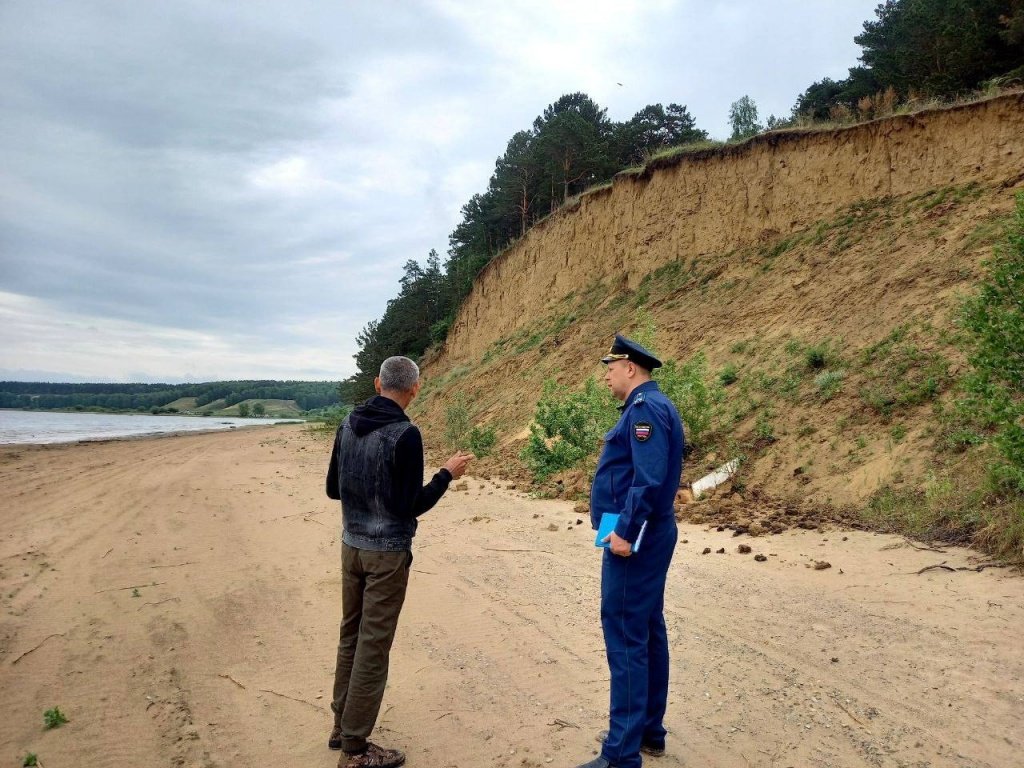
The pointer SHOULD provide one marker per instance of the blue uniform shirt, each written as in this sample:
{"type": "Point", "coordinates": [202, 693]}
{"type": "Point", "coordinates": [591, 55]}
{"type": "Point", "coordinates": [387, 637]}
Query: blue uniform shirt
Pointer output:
{"type": "Point", "coordinates": [638, 473]}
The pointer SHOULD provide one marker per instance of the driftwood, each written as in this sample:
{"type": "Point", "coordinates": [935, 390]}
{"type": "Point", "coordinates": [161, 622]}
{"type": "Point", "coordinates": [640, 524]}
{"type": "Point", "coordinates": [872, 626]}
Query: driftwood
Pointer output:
{"type": "Point", "coordinates": [976, 569]}
{"type": "Point", "coordinates": [924, 549]}
{"type": "Point", "coordinates": [940, 566]}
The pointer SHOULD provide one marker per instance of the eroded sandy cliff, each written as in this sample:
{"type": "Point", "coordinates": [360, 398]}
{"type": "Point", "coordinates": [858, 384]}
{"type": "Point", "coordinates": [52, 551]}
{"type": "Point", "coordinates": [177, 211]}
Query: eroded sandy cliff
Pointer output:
{"type": "Point", "coordinates": [861, 239]}
{"type": "Point", "coordinates": [716, 201]}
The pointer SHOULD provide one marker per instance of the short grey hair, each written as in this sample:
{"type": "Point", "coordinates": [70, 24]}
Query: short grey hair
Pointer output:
{"type": "Point", "coordinates": [399, 374]}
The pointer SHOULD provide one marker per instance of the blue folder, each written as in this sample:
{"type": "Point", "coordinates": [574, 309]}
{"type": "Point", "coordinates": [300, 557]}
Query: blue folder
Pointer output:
{"type": "Point", "coordinates": [608, 522]}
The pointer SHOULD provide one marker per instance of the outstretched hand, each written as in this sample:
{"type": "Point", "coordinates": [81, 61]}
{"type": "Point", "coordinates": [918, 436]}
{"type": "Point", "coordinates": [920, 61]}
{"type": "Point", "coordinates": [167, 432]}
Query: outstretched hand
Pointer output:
{"type": "Point", "coordinates": [457, 464]}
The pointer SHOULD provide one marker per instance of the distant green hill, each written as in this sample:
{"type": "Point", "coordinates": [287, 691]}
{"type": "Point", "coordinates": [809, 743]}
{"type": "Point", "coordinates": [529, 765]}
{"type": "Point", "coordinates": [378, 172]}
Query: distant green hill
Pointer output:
{"type": "Point", "coordinates": [221, 398]}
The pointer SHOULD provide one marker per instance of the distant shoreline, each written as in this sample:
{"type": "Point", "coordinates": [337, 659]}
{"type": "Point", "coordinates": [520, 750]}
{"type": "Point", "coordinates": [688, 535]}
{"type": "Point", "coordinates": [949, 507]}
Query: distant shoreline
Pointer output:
{"type": "Point", "coordinates": [11, 447]}
{"type": "Point", "coordinates": [141, 413]}
{"type": "Point", "coordinates": [20, 428]}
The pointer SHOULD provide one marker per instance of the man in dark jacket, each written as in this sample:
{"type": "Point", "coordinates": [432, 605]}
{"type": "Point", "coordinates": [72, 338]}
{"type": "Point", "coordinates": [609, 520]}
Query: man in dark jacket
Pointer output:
{"type": "Point", "coordinates": [376, 471]}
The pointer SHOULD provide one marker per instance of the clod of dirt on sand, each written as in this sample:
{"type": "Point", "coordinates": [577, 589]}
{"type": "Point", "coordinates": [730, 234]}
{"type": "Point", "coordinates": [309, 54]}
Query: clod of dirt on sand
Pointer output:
{"type": "Point", "coordinates": [743, 549]}
{"type": "Point", "coordinates": [758, 514]}
{"type": "Point", "coordinates": [760, 558]}
{"type": "Point", "coordinates": [822, 565]}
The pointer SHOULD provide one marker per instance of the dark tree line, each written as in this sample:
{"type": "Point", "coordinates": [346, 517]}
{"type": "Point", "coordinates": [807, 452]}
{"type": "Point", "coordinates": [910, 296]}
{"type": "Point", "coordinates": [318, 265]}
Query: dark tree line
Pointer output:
{"type": "Point", "coordinates": [307, 394]}
{"type": "Point", "coordinates": [928, 48]}
{"type": "Point", "coordinates": [572, 145]}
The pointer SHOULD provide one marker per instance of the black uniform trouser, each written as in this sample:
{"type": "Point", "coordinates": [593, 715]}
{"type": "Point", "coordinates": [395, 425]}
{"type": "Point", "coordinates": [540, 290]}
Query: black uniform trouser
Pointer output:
{"type": "Point", "coordinates": [636, 642]}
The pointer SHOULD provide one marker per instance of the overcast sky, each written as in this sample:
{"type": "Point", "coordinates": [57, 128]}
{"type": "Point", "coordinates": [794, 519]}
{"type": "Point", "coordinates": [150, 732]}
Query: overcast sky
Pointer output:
{"type": "Point", "coordinates": [192, 191]}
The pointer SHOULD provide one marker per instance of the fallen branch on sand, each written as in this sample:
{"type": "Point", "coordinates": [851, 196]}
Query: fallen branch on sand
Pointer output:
{"type": "Point", "coordinates": [848, 712]}
{"type": "Point", "coordinates": [944, 567]}
{"type": "Point", "coordinates": [133, 586]}
{"type": "Point", "coordinates": [494, 549]}
{"type": "Point", "coordinates": [292, 698]}
{"type": "Point", "coordinates": [30, 650]}
{"type": "Point", "coordinates": [563, 724]}
{"type": "Point", "coordinates": [940, 566]}
{"type": "Point", "coordinates": [158, 602]}
{"type": "Point", "coordinates": [229, 677]}
{"type": "Point", "coordinates": [924, 549]}
{"type": "Point", "coordinates": [176, 565]}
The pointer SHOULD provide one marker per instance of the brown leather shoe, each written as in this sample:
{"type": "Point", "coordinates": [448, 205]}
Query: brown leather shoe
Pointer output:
{"type": "Point", "coordinates": [372, 757]}
{"type": "Point", "coordinates": [334, 740]}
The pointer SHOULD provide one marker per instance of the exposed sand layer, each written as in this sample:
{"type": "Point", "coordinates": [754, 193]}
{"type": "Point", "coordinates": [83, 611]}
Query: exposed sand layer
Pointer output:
{"type": "Point", "coordinates": [225, 657]}
{"type": "Point", "coordinates": [713, 202]}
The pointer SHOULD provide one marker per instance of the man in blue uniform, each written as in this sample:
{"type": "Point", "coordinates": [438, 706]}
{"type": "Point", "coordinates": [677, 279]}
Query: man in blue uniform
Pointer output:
{"type": "Point", "coordinates": [637, 478]}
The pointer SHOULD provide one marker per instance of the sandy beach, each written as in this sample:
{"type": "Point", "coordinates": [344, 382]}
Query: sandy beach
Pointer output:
{"type": "Point", "coordinates": [177, 598]}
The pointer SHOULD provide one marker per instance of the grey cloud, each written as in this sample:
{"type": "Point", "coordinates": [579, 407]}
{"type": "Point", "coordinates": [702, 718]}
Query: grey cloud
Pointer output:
{"type": "Point", "coordinates": [139, 144]}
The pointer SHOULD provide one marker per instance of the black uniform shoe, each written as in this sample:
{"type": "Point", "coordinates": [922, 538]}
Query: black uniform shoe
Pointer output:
{"type": "Point", "coordinates": [597, 762]}
{"type": "Point", "coordinates": [654, 750]}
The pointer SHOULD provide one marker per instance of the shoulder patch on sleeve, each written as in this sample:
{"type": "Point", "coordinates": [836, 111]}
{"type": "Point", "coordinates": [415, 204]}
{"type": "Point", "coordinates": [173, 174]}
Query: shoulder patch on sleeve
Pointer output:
{"type": "Point", "coordinates": [642, 431]}
{"type": "Point", "coordinates": [638, 399]}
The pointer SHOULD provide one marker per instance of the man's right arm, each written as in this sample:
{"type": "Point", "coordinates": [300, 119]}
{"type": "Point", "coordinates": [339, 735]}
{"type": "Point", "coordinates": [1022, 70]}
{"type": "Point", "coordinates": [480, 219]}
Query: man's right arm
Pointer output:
{"type": "Point", "coordinates": [408, 476]}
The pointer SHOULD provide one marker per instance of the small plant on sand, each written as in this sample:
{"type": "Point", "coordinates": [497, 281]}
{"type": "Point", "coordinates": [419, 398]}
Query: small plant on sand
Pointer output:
{"type": "Point", "coordinates": [136, 593]}
{"type": "Point", "coordinates": [30, 759]}
{"type": "Point", "coordinates": [696, 399]}
{"type": "Point", "coordinates": [481, 440]}
{"type": "Point", "coordinates": [456, 422]}
{"type": "Point", "coordinates": [458, 434]}
{"type": "Point", "coordinates": [53, 718]}
{"type": "Point", "coordinates": [567, 427]}
{"type": "Point", "coordinates": [993, 319]}
{"type": "Point", "coordinates": [687, 385]}
{"type": "Point", "coordinates": [828, 384]}
{"type": "Point", "coordinates": [763, 428]}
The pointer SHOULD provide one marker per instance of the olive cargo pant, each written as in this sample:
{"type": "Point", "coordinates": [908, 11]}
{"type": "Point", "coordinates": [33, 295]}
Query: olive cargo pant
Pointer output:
{"type": "Point", "coordinates": [372, 592]}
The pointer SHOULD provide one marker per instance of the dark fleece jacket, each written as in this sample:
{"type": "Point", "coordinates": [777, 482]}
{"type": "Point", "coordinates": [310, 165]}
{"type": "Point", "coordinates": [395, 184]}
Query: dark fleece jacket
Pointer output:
{"type": "Point", "coordinates": [408, 496]}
